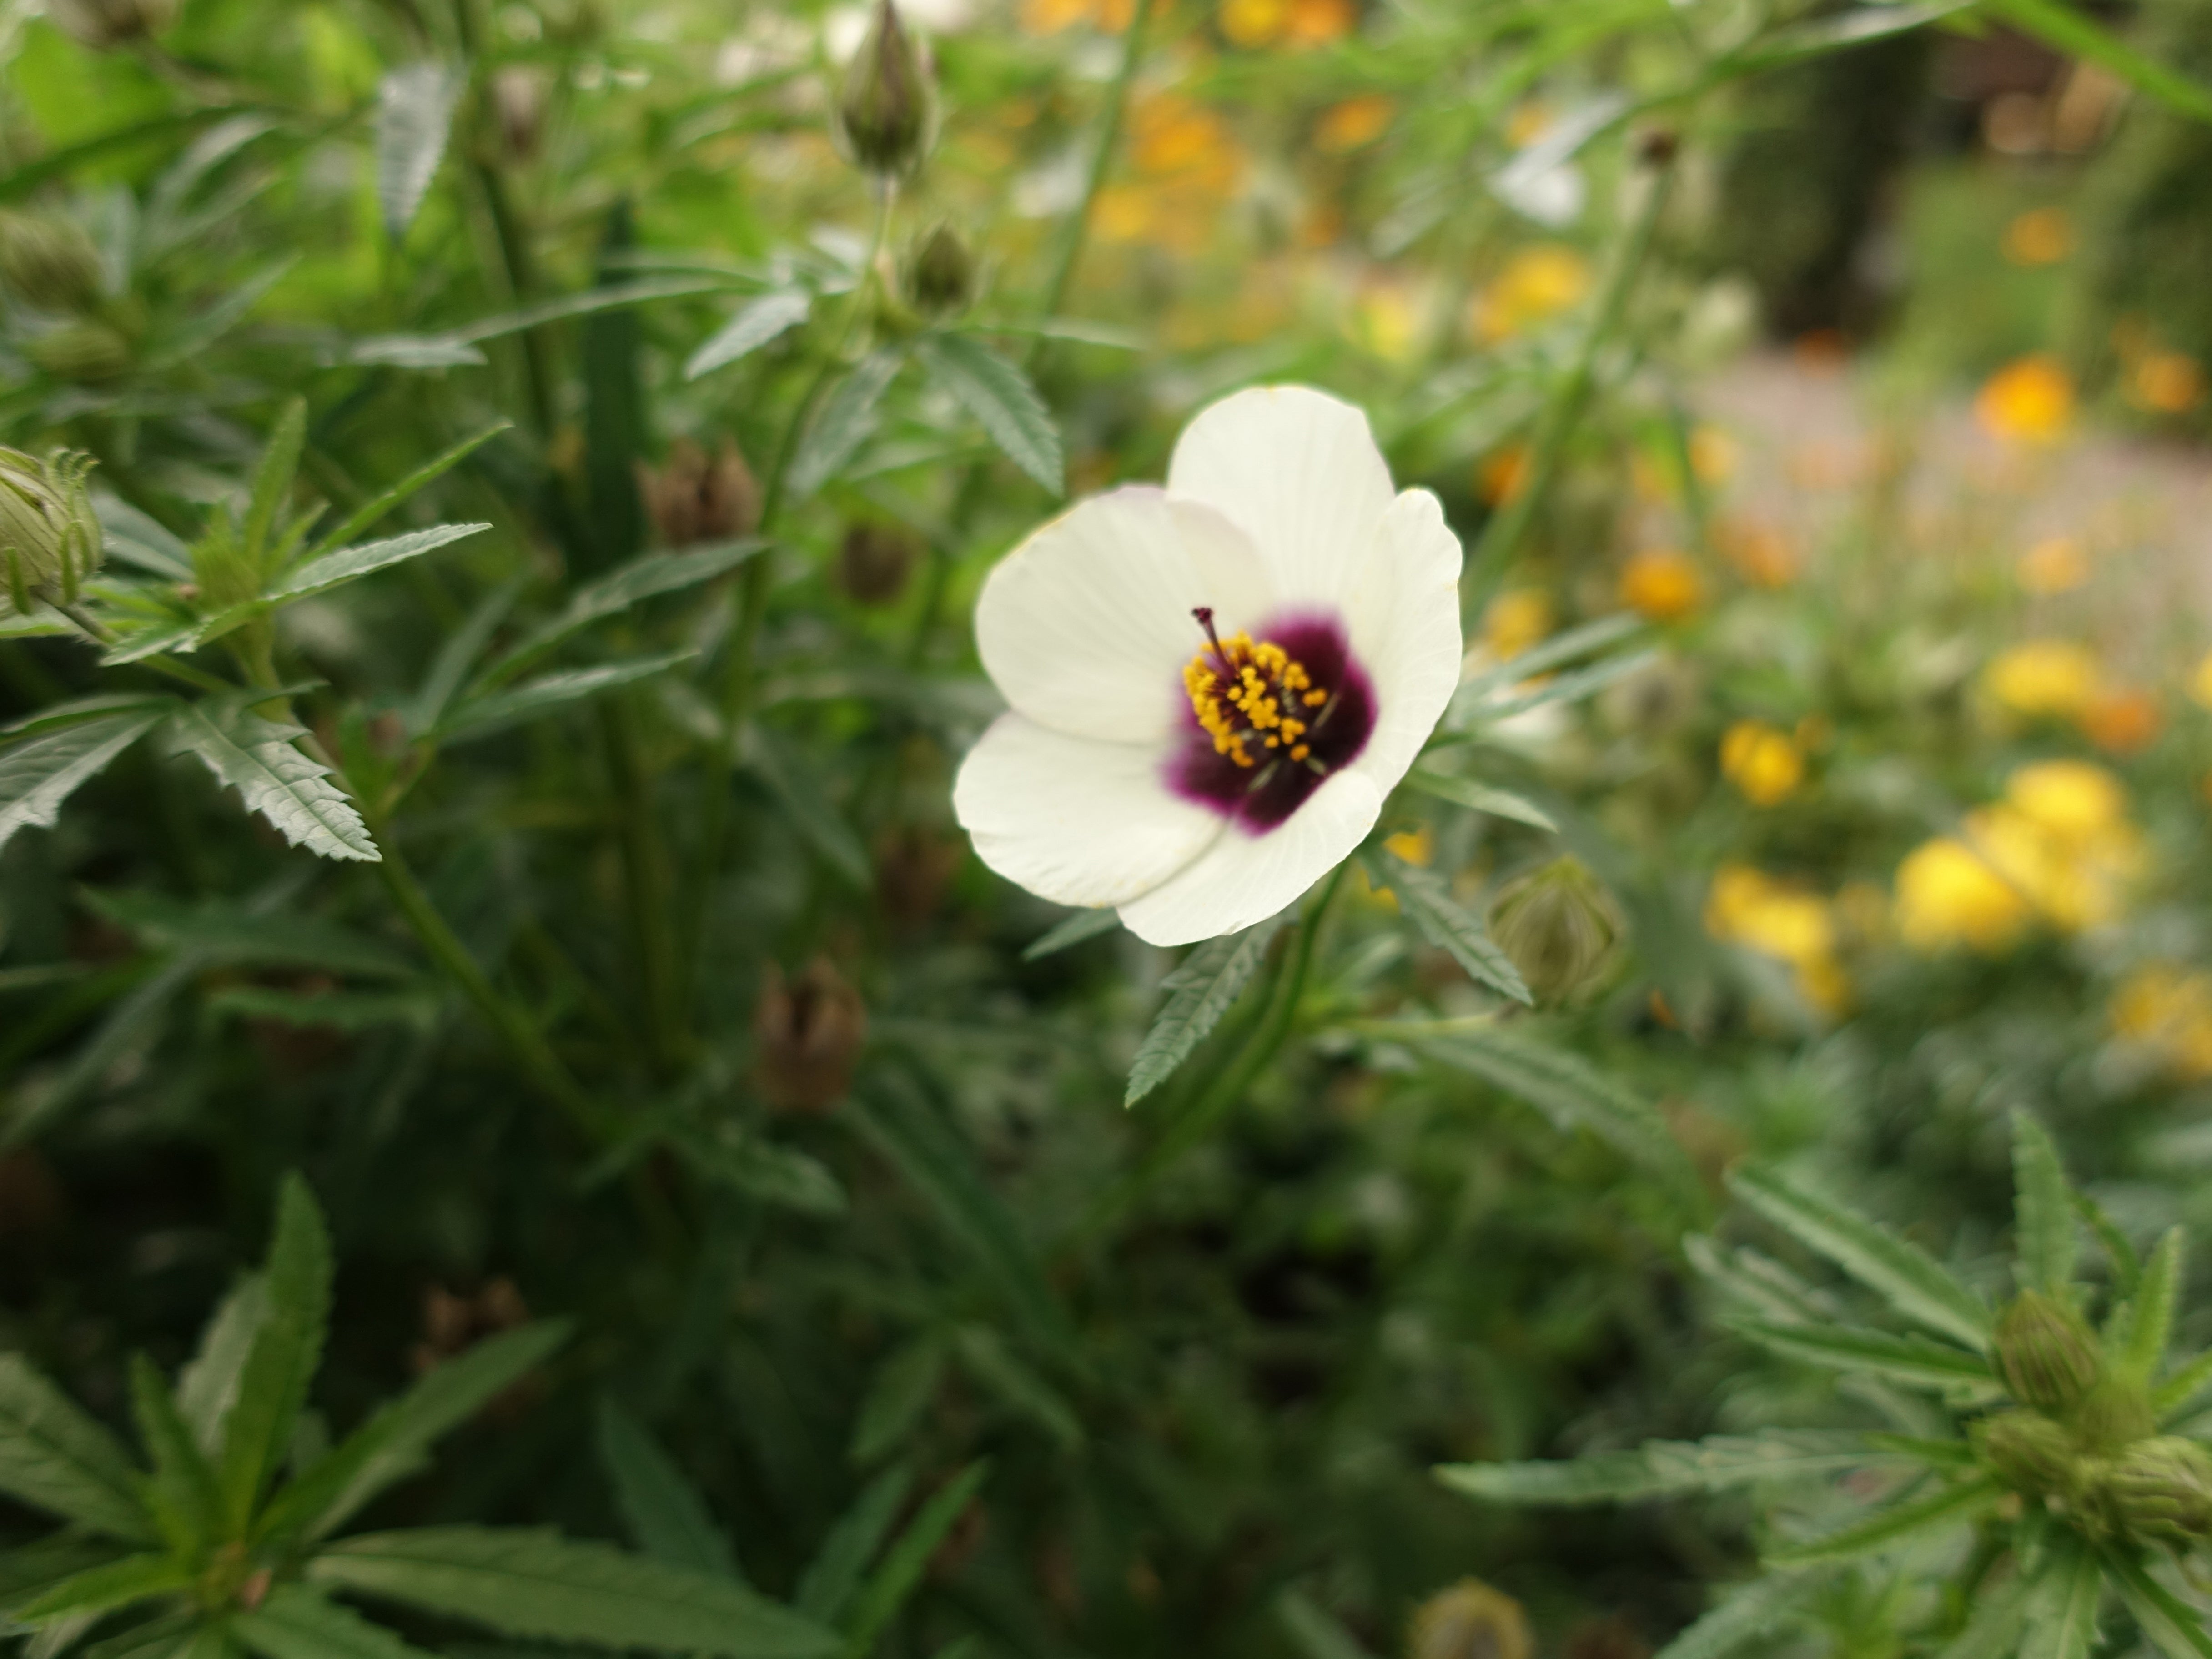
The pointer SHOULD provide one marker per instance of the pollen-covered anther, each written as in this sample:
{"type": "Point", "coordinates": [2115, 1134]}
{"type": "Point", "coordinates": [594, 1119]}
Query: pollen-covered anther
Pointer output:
{"type": "Point", "coordinates": [1239, 689]}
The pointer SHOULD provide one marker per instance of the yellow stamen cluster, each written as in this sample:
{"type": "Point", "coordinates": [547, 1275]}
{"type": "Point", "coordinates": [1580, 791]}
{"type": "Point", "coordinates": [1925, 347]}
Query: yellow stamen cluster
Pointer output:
{"type": "Point", "coordinates": [1265, 687]}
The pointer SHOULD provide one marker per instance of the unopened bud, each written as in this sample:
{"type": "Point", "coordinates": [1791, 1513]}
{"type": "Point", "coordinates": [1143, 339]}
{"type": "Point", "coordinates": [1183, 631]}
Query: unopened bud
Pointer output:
{"type": "Point", "coordinates": [692, 500]}
{"type": "Point", "coordinates": [2027, 1451]}
{"type": "Point", "coordinates": [104, 23]}
{"type": "Point", "coordinates": [87, 350]}
{"type": "Point", "coordinates": [875, 560]}
{"type": "Point", "coordinates": [1470, 1620]}
{"type": "Point", "coordinates": [2161, 1491]}
{"type": "Point", "coordinates": [882, 108]}
{"type": "Point", "coordinates": [47, 263]}
{"type": "Point", "coordinates": [519, 93]}
{"type": "Point", "coordinates": [2114, 1415]}
{"type": "Point", "coordinates": [940, 275]}
{"type": "Point", "coordinates": [1560, 926]}
{"type": "Point", "coordinates": [50, 541]}
{"type": "Point", "coordinates": [807, 1037]}
{"type": "Point", "coordinates": [2046, 1353]}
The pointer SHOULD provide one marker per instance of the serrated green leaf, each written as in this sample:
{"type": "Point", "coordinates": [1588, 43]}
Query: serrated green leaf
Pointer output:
{"type": "Point", "coordinates": [1911, 1279]}
{"type": "Point", "coordinates": [497, 711]}
{"type": "Point", "coordinates": [1083, 924]}
{"type": "Point", "coordinates": [2156, 1296]}
{"type": "Point", "coordinates": [56, 716]}
{"type": "Point", "coordinates": [752, 326]}
{"type": "Point", "coordinates": [537, 1584]}
{"type": "Point", "coordinates": [55, 1458]}
{"type": "Point", "coordinates": [272, 481]}
{"type": "Point", "coordinates": [345, 564]}
{"type": "Point", "coordinates": [36, 776]}
{"type": "Point", "coordinates": [1428, 902]}
{"type": "Point", "coordinates": [1901, 1523]}
{"type": "Point", "coordinates": [105, 1588]}
{"type": "Point", "coordinates": [386, 499]}
{"type": "Point", "coordinates": [458, 655]}
{"type": "Point", "coordinates": [2180, 1391]}
{"type": "Point", "coordinates": [1479, 798]}
{"type": "Point", "coordinates": [29, 1570]}
{"type": "Point", "coordinates": [1776, 1296]}
{"type": "Point", "coordinates": [1001, 398]}
{"type": "Point", "coordinates": [986, 1358]}
{"type": "Point", "coordinates": [901, 1567]}
{"type": "Point", "coordinates": [182, 1493]}
{"type": "Point", "coordinates": [616, 591]}
{"type": "Point", "coordinates": [1912, 1359]}
{"type": "Point", "coordinates": [903, 1387]}
{"type": "Point", "coordinates": [1200, 990]}
{"type": "Point", "coordinates": [232, 933]}
{"type": "Point", "coordinates": [414, 115]}
{"type": "Point", "coordinates": [2063, 1613]}
{"type": "Point", "coordinates": [827, 1587]}
{"type": "Point", "coordinates": [272, 1386]}
{"type": "Point", "coordinates": [294, 1622]}
{"type": "Point", "coordinates": [764, 1170]}
{"type": "Point", "coordinates": [207, 1387]}
{"type": "Point", "coordinates": [807, 805]}
{"type": "Point", "coordinates": [1750, 1614]}
{"type": "Point", "coordinates": [844, 423]}
{"type": "Point", "coordinates": [260, 759]}
{"type": "Point", "coordinates": [666, 1518]}
{"type": "Point", "coordinates": [2178, 1628]}
{"type": "Point", "coordinates": [1664, 1468]}
{"type": "Point", "coordinates": [2043, 1210]}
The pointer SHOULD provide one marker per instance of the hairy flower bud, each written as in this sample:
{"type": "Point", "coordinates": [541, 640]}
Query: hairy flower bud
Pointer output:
{"type": "Point", "coordinates": [691, 500]}
{"type": "Point", "coordinates": [2028, 1452]}
{"type": "Point", "coordinates": [875, 560]}
{"type": "Point", "coordinates": [2159, 1490]}
{"type": "Point", "coordinates": [2113, 1416]}
{"type": "Point", "coordinates": [1470, 1620]}
{"type": "Point", "coordinates": [806, 1035]}
{"type": "Point", "coordinates": [47, 263]}
{"type": "Point", "coordinates": [49, 539]}
{"type": "Point", "coordinates": [941, 274]}
{"type": "Point", "coordinates": [87, 350]}
{"type": "Point", "coordinates": [882, 108]}
{"type": "Point", "coordinates": [2046, 1355]}
{"type": "Point", "coordinates": [104, 23]}
{"type": "Point", "coordinates": [1559, 925]}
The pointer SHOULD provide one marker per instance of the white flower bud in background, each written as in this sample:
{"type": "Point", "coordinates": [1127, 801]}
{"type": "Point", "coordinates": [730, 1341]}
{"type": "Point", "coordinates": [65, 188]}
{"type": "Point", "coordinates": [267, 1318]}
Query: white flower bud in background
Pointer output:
{"type": "Point", "coordinates": [50, 541]}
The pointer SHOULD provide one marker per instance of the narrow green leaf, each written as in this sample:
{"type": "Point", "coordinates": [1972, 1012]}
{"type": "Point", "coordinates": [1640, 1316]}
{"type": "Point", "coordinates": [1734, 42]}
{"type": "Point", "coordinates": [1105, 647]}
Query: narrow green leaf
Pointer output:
{"type": "Point", "coordinates": [1774, 1295]}
{"type": "Point", "coordinates": [272, 482]}
{"type": "Point", "coordinates": [1313, 1630]}
{"type": "Point", "coordinates": [616, 591]}
{"type": "Point", "coordinates": [1901, 1523]}
{"type": "Point", "coordinates": [327, 1011]}
{"type": "Point", "coordinates": [128, 1027]}
{"type": "Point", "coordinates": [2180, 1391]}
{"type": "Point", "coordinates": [178, 1635]}
{"type": "Point", "coordinates": [2178, 1628]}
{"type": "Point", "coordinates": [2126, 1268]}
{"type": "Point", "coordinates": [56, 716]}
{"type": "Point", "coordinates": [105, 1588]}
{"type": "Point", "coordinates": [182, 1493]}
{"type": "Point", "coordinates": [844, 423]}
{"type": "Point", "coordinates": [2154, 1301]}
{"type": "Point", "coordinates": [762, 1169]}
{"type": "Point", "coordinates": [386, 499]}
{"type": "Point", "coordinates": [900, 1570]}
{"type": "Point", "coordinates": [1662, 1468]}
{"type": "Point", "coordinates": [232, 933]}
{"type": "Point", "coordinates": [55, 1458]}
{"type": "Point", "coordinates": [537, 1584]}
{"type": "Point", "coordinates": [2060, 26]}
{"type": "Point", "coordinates": [2069, 1594]}
{"type": "Point", "coordinates": [287, 1347]}
{"type": "Point", "coordinates": [1752, 1615]}
{"type": "Point", "coordinates": [1001, 398]}
{"type": "Point", "coordinates": [1912, 1281]}
{"type": "Point", "coordinates": [1428, 902]}
{"type": "Point", "coordinates": [1479, 798]}
{"type": "Point", "coordinates": [30, 1570]}
{"type": "Point", "coordinates": [1083, 924]}
{"type": "Point", "coordinates": [1200, 990]}
{"type": "Point", "coordinates": [458, 654]}
{"type": "Point", "coordinates": [294, 1622]}
{"type": "Point", "coordinates": [344, 564]}
{"type": "Point", "coordinates": [804, 802]}
{"type": "Point", "coordinates": [755, 324]}
{"type": "Point", "coordinates": [827, 1587]}
{"type": "Point", "coordinates": [1911, 1359]}
{"type": "Point", "coordinates": [589, 303]}
{"type": "Point", "coordinates": [610, 349]}
{"type": "Point", "coordinates": [666, 1518]}
{"type": "Point", "coordinates": [904, 1386]}
{"type": "Point", "coordinates": [207, 1387]}
{"type": "Point", "coordinates": [986, 1358]}
{"type": "Point", "coordinates": [2043, 1210]}
{"type": "Point", "coordinates": [414, 113]}
{"type": "Point", "coordinates": [260, 760]}
{"type": "Point", "coordinates": [38, 776]}
{"type": "Point", "coordinates": [497, 711]}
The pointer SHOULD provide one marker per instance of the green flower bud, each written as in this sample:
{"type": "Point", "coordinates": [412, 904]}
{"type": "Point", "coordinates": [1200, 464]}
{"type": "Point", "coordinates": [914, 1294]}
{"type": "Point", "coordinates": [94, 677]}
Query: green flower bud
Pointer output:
{"type": "Point", "coordinates": [87, 350]}
{"type": "Point", "coordinates": [2028, 1452]}
{"type": "Point", "coordinates": [884, 107]}
{"type": "Point", "coordinates": [47, 263]}
{"type": "Point", "coordinates": [101, 24]}
{"type": "Point", "coordinates": [49, 539]}
{"type": "Point", "coordinates": [940, 275]}
{"type": "Point", "coordinates": [2114, 1415]}
{"type": "Point", "coordinates": [2046, 1355]}
{"type": "Point", "coordinates": [1560, 926]}
{"type": "Point", "coordinates": [1470, 1620]}
{"type": "Point", "coordinates": [2159, 1490]}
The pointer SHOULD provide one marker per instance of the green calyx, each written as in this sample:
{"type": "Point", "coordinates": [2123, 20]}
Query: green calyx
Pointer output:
{"type": "Point", "coordinates": [50, 541]}
{"type": "Point", "coordinates": [2158, 1490]}
{"type": "Point", "coordinates": [1560, 926]}
{"type": "Point", "coordinates": [2046, 1352]}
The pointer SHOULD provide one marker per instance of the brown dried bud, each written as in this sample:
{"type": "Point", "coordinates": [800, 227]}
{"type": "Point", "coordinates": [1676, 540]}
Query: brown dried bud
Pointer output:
{"type": "Point", "coordinates": [941, 274]}
{"type": "Point", "coordinates": [2047, 1354]}
{"type": "Point", "coordinates": [2028, 1452]}
{"type": "Point", "coordinates": [48, 263]}
{"type": "Point", "coordinates": [2159, 1490]}
{"type": "Point", "coordinates": [875, 560]}
{"type": "Point", "coordinates": [692, 500]}
{"type": "Point", "coordinates": [912, 869]}
{"type": "Point", "coordinates": [519, 95]}
{"type": "Point", "coordinates": [1560, 926]}
{"type": "Point", "coordinates": [101, 24]}
{"type": "Point", "coordinates": [454, 1322]}
{"type": "Point", "coordinates": [1470, 1620]}
{"type": "Point", "coordinates": [807, 1036]}
{"type": "Point", "coordinates": [882, 108]}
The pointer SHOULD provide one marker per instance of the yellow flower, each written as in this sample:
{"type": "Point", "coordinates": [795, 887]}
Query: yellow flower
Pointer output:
{"type": "Point", "coordinates": [1253, 22]}
{"type": "Point", "coordinates": [1387, 320]}
{"type": "Point", "coordinates": [2076, 882]}
{"type": "Point", "coordinates": [1764, 763]}
{"type": "Point", "coordinates": [2058, 564]}
{"type": "Point", "coordinates": [2200, 682]}
{"type": "Point", "coordinates": [1256, 23]}
{"type": "Point", "coordinates": [1662, 584]}
{"type": "Point", "coordinates": [1051, 16]}
{"type": "Point", "coordinates": [1417, 846]}
{"type": "Point", "coordinates": [1713, 455]}
{"type": "Point", "coordinates": [2041, 236]}
{"type": "Point", "coordinates": [1746, 907]}
{"type": "Point", "coordinates": [2166, 383]}
{"type": "Point", "coordinates": [1946, 895]}
{"type": "Point", "coordinates": [1317, 23]}
{"type": "Point", "coordinates": [2044, 677]}
{"type": "Point", "coordinates": [2123, 720]}
{"type": "Point", "coordinates": [1759, 553]}
{"type": "Point", "coordinates": [2170, 1011]}
{"type": "Point", "coordinates": [1353, 124]}
{"type": "Point", "coordinates": [2073, 799]}
{"type": "Point", "coordinates": [2029, 401]}
{"type": "Point", "coordinates": [1517, 619]}
{"type": "Point", "coordinates": [1537, 284]}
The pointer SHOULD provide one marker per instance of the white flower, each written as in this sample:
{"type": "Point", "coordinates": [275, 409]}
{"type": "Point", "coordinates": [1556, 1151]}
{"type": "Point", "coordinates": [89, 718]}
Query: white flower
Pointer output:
{"type": "Point", "coordinates": [1215, 684]}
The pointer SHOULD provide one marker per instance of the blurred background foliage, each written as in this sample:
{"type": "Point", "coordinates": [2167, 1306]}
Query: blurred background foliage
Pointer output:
{"type": "Point", "coordinates": [1854, 354]}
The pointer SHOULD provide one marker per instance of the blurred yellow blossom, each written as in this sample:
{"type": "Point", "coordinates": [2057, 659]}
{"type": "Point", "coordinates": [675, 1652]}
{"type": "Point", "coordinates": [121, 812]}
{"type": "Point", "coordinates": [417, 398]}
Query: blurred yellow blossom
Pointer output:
{"type": "Point", "coordinates": [1389, 319]}
{"type": "Point", "coordinates": [1662, 584]}
{"type": "Point", "coordinates": [2060, 839]}
{"type": "Point", "coordinates": [2044, 677]}
{"type": "Point", "coordinates": [2166, 383]}
{"type": "Point", "coordinates": [2073, 799]}
{"type": "Point", "coordinates": [1759, 553]}
{"type": "Point", "coordinates": [2168, 1009]}
{"type": "Point", "coordinates": [1353, 124]}
{"type": "Point", "coordinates": [1317, 23]}
{"type": "Point", "coordinates": [1748, 906]}
{"type": "Point", "coordinates": [2056, 564]}
{"type": "Point", "coordinates": [1946, 895]}
{"type": "Point", "coordinates": [1189, 165]}
{"type": "Point", "coordinates": [2041, 236]}
{"type": "Point", "coordinates": [1051, 16]}
{"type": "Point", "coordinates": [2029, 401]}
{"type": "Point", "coordinates": [1502, 475]}
{"type": "Point", "coordinates": [1529, 122]}
{"type": "Point", "coordinates": [2200, 681]}
{"type": "Point", "coordinates": [1537, 284]}
{"type": "Point", "coordinates": [1417, 846]}
{"type": "Point", "coordinates": [2122, 719]}
{"type": "Point", "coordinates": [1256, 23]}
{"type": "Point", "coordinates": [1713, 455]}
{"type": "Point", "coordinates": [1517, 619]}
{"type": "Point", "coordinates": [1764, 763]}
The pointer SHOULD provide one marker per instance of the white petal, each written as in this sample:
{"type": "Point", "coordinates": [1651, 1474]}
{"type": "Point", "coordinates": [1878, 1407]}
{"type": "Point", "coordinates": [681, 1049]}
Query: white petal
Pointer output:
{"type": "Point", "coordinates": [1247, 878]}
{"type": "Point", "coordinates": [1086, 627]}
{"type": "Point", "coordinates": [1404, 619]}
{"type": "Point", "coordinates": [1298, 472]}
{"type": "Point", "coordinates": [1076, 821]}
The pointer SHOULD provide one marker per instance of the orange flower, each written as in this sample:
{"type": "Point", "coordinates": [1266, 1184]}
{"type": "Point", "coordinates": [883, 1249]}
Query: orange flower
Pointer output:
{"type": "Point", "coordinates": [1759, 553]}
{"type": "Point", "coordinates": [1501, 475]}
{"type": "Point", "coordinates": [2041, 236]}
{"type": "Point", "coordinates": [2058, 564]}
{"type": "Point", "coordinates": [1317, 23]}
{"type": "Point", "coordinates": [2029, 401]}
{"type": "Point", "coordinates": [2166, 383]}
{"type": "Point", "coordinates": [2123, 720]}
{"type": "Point", "coordinates": [1662, 584]}
{"type": "Point", "coordinates": [1052, 16]}
{"type": "Point", "coordinates": [1353, 124]}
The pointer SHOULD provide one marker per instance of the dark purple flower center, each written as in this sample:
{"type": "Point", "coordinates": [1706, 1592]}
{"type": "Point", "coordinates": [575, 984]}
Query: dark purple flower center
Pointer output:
{"type": "Point", "coordinates": [1268, 720]}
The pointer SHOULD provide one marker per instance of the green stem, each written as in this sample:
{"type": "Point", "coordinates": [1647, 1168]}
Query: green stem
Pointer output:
{"type": "Point", "coordinates": [644, 883]}
{"type": "Point", "coordinates": [1502, 536]}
